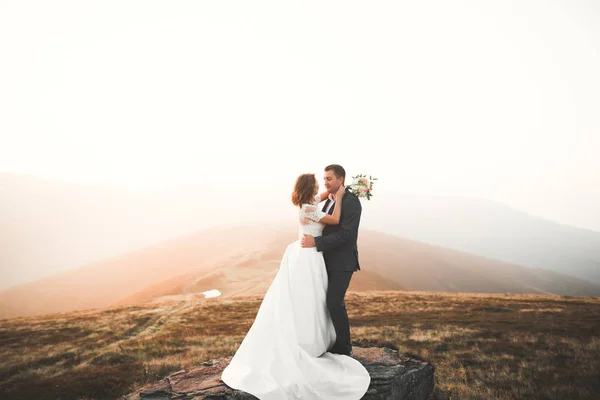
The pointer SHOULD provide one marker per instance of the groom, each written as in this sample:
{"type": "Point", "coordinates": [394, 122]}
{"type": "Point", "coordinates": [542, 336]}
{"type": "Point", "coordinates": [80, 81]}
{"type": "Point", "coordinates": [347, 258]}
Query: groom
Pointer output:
{"type": "Point", "coordinates": [340, 252]}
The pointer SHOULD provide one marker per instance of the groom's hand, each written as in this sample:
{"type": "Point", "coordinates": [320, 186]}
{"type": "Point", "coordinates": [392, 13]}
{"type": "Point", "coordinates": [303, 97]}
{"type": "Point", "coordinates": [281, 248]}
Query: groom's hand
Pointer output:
{"type": "Point", "coordinates": [307, 241]}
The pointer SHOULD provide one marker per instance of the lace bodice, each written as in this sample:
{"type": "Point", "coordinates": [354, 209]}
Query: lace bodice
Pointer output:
{"type": "Point", "coordinates": [308, 219]}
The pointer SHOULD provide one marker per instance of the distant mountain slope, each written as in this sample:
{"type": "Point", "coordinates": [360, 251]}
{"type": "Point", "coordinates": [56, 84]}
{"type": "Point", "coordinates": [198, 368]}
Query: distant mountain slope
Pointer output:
{"type": "Point", "coordinates": [49, 227]}
{"type": "Point", "coordinates": [242, 260]}
{"type": "Point", "coordinates": [420, 266]}
{"type": "Point", "coordinates": [488, 229]}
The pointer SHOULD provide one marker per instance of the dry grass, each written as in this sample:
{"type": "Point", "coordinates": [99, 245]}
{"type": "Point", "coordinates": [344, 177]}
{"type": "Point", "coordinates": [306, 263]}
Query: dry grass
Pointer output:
{"type": "Point", "coordinates": [482, 346]}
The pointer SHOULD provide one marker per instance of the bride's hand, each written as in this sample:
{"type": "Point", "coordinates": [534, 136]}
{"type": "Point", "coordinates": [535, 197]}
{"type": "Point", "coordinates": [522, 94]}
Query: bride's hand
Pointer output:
{"type": "Point", "coordinates": [340, 192]}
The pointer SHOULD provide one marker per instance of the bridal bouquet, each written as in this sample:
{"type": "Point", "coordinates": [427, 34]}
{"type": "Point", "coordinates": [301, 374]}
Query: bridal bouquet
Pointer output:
{"type": "Point", "coordinates": [362, 186]}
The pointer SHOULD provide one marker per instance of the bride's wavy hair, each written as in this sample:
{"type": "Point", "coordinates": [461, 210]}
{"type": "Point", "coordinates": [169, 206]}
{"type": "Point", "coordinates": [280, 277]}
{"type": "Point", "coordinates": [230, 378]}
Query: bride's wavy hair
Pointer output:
{"type": "Point", "coordinates": [304, 190]}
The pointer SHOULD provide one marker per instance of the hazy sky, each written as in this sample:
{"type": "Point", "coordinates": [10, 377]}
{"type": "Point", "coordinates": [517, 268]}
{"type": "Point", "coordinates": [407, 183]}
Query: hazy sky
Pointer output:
{"type": "Point", "coordinates": [492, 99]}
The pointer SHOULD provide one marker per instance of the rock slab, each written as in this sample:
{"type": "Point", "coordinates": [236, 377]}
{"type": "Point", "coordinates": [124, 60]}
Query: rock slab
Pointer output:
{"type": "Point", "coordinates": [392, 377]}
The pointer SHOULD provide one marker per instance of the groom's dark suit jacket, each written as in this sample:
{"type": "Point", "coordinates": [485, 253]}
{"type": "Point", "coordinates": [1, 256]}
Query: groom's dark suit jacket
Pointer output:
{"type": "Point", "coordinates": [338, 242]}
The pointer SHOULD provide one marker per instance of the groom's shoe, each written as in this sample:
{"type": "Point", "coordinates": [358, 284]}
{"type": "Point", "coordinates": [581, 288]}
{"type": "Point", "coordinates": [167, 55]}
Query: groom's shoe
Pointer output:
{"type": "Point", "coordinates": [347, 352]}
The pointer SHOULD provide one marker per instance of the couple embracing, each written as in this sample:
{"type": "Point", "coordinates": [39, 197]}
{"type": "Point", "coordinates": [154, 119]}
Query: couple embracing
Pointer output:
{"type": "Point", "coordinates": [299, 344]}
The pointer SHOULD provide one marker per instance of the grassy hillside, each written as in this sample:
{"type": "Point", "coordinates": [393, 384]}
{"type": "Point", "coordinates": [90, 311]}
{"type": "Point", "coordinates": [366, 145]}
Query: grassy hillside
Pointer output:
{"type": "Point", "coordinates": [483, 346]}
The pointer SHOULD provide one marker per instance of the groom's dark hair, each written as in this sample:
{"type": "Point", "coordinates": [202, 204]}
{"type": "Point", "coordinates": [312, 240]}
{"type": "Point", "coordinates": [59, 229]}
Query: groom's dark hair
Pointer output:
{"type": "Point", "coordinates": [338, 171]}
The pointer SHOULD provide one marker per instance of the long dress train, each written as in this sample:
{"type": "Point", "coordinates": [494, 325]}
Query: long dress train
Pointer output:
{"type": "Point", "coordinates": [284, 354]}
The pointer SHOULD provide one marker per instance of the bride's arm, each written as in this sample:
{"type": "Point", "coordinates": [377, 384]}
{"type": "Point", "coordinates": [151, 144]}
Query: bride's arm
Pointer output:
{"type": "Point", "coordinates": [323, 196]}
{"type": "Point", "coordinates": [334, 219]}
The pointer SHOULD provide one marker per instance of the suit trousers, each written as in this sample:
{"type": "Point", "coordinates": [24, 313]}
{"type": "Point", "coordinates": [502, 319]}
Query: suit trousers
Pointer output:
{"type": "Point", "coordinates": [336, 290]}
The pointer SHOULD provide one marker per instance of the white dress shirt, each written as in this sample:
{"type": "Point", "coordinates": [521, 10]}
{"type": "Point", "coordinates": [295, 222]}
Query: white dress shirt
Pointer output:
{"type": "Point", "coordinates": [331, 203]}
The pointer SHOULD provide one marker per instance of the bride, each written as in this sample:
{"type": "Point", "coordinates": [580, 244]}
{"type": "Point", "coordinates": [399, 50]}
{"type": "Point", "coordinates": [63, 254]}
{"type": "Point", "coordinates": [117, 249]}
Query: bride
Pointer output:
{"type": "Point", "coordinates": [284, 354]}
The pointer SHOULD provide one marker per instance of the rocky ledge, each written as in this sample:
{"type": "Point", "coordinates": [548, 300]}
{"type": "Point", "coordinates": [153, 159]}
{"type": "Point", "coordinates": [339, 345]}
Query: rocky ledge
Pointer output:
{"type": "Point", "coordinates": [392, 377]}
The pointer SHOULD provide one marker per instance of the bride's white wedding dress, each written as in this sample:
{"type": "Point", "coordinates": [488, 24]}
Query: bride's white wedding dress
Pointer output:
{"type": "Point", "coordinates": [284, 354]}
